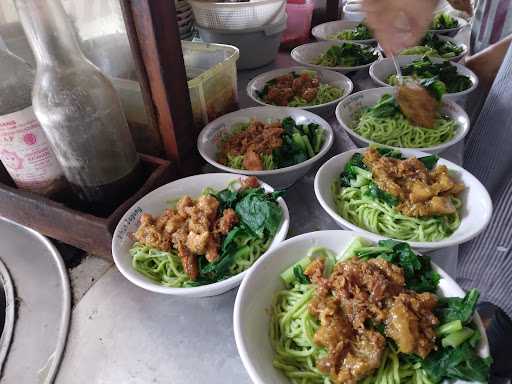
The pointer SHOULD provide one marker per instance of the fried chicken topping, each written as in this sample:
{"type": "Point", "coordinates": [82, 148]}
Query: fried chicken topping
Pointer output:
{"type": "Point", "coordinates": [194, 228]}
{"type": "Point", "coordinates": [421, 192]}
{"type": "Point", "coordinates": [288, 86]}
{"type": "Point", "coordinates": [259, 138]}
{"type": "Point", "coordinates": [349, 304]}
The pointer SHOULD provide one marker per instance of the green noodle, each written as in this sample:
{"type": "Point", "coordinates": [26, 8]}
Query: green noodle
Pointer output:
{"type": "Point", "coordinates": [166, 268]}
{"type": "Point", "coordinates": [326, 93]}
{"type": "Point", "coordinates": [356, 206]}
{"type": "Point", "coordinates": [237, 161]}
{"type": "Point", "coordinates": [291, 332]}
{"type": "Point", "coordinates": [397, 131]}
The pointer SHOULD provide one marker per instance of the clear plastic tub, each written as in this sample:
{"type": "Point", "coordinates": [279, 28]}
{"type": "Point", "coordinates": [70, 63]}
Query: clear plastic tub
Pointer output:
{"type": "Point", "coordinates": [212, 79]}
{"type": "Point", "coordinates": [299, 23]}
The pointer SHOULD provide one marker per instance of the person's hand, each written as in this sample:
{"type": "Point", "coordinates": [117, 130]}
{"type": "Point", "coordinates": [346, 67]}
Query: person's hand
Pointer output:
{"type": "Point", "coordinates": [462, 5]}
{"type": "Point", "coordinates": [398, 24]}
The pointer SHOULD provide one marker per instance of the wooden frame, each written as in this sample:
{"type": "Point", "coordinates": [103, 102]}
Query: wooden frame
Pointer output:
{"type": "Point", "coordinates": [83, 230]}
{"type": "Point", "coordinates": [154, 38]}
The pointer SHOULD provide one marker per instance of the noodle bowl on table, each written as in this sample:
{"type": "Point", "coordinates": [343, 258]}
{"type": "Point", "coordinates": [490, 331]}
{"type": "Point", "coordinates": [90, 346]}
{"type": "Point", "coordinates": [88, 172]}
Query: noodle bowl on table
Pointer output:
{"type": "Point", "coordinates": [335, 86]}
{"type": "Point", "coordinates": [364, 203]}
{"type": "Point", "coordinates": [283, 333]}
{"type": "Point", "coordinates": [365, 128]}
{"type": "Point", "coordinates": [276, 144]}
{"type": "Point", "coordinates": [198, 235]}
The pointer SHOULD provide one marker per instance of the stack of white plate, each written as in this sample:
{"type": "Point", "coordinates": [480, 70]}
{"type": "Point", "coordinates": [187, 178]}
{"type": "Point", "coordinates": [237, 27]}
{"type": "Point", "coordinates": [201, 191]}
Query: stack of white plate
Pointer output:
{"type": "Point", "coordinates": [185, 19]}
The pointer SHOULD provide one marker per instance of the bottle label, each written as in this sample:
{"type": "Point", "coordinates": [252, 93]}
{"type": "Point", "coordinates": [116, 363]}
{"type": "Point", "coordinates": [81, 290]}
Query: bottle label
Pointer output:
{"type": "Point", "coordinates": [25, 151]}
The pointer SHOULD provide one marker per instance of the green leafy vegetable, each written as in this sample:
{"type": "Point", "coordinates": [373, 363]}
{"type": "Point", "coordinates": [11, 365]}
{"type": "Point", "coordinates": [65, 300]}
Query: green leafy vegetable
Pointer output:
{"type": "Point", "coordinates": [347, 55]}
{"type": "Point", "coordinates": [451, 327]}
{"type": "Point", "coordinates": [352, 169]}
{"type": "Point", "coordinates": [432, 45]}
{"type": "Point", "coordinates": [445, 72]}
{"type": "Point", "coordinates": [378, 194]}
{"type": "Point", "coordinates": [436, 87]}
{"type": "Point", "coordinates": [429, 161]}
{"type": "Point", "coordinates": [457, 363]}
{"type": "Point", "coordinates": [359, 32]}
{"type": "Point", "coordinates": [445, 48]}
{"type": "Point", "coordinates": [457, 338]}
{"type": "Point", "coordinates": [386, 107]}
{"type": "Point", "coordinates": [300, 142]}
{"type": "Point", "coordinates": [298, 272]}
{"type": "Point", "coordinates": [227, 197]}
{"type": "Point", "coordinates": [455, 308]}
{"type": "Point", "coordinates": [289, 276]}
{"type": "Point", "coordinates": [260, 217]}
{"type": "Point", "coordinates": [259, 212]}
{"type": "Point", "coordinates": [444, 21]}
{"type": "Point", "coordinates": [390, 152]}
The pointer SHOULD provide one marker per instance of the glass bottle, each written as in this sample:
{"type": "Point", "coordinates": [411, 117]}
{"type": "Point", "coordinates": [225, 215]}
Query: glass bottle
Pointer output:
{"type": "Point", "coordinates": [24, 149]}
{"type": "Point", "coordinates": [79, 110]}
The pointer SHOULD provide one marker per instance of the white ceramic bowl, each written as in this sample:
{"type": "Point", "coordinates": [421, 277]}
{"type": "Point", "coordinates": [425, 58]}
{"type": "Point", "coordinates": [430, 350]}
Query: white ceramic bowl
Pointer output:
{"type": "Point", "coordinates": [476, 202]}
{"type": "Point", "coordinates": [380, 71]}
{"type": "Point", "coordinates": [306, 54]}
{"type": "Point", "coordinates": [254, 298]}
{"type": "Point", "coordinates": [455, 58]}
{"type": "Point", "coordinates": [323, 31]}
{"type": "Point", "coordinates": [278, 178]}
{"type": "Point", "coordinates": [154, 203]}
{"type": "Point", "coordinates": [333, 78]}
{"type": "Point", "coordinates": [451, 31]}
{"type": "Point", "coordinates": [351, 105]}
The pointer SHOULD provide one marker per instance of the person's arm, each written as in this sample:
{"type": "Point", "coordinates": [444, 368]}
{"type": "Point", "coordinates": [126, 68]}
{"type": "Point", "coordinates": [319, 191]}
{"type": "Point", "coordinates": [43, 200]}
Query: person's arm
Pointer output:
{"type": "Point", "coordinates": [486, 63]}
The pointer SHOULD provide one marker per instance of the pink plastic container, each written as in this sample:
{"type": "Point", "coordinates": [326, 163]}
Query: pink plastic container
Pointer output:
{"type": "Point", "coordinates": [298, 26]}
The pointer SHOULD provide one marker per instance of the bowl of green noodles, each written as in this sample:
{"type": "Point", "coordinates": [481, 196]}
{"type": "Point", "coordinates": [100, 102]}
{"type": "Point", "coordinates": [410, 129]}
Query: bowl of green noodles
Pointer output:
{"type": "Point", "coordinates": [457, 78]}
{"type": "Point", "coordinates": [275, 330]}
{"type": "Point", "coordinates": [372, 116]}
{"type": "Point", "coordinates": [303, 140]}
{"type": "Point", "coordinates": [163, 271]}
{"type": "Point", "coordinates": [344, 30]}
{"type": "Point", "coordinates": [340, 56]}
{"type": "Point", "coordinates": [357, 201]}
{"type": "Point", "coordinates": [333, 87]}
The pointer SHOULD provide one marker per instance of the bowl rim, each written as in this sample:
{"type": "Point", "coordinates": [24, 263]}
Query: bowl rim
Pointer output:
{"type": "Point", "coordinates": [306, 46]}
{"type": "Point", "coordinates": [459, 135]}
{"type": "Point", "coordinates": [278, 72]}
{"type": "Point", "coordinates": [241, 296]}
{"type": "Point", "coordinates": [202, 290]}
{"type": "Point", "coordinates": [436, 60]}
{"type": "Point", "coordinates": [246, 112]}
{"type": "Point", "coordinates": [320, 37]}
{"type": "Point", "coordinates": [423, 245]}
{"type": "Point", "coordinates": [462, 24]}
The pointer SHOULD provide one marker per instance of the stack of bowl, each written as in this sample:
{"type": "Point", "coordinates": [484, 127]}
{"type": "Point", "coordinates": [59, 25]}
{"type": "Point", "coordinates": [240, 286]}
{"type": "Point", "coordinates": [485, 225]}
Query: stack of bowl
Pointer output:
{"type": "Point", "coordinates": [254, 27]}
{"type": "Point", "coordinates": [185, 19]}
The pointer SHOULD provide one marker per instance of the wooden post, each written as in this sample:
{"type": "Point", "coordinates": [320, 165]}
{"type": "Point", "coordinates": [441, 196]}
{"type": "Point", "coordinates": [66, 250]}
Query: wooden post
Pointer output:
{"type": "Point", "coordinates": [154, 38]}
